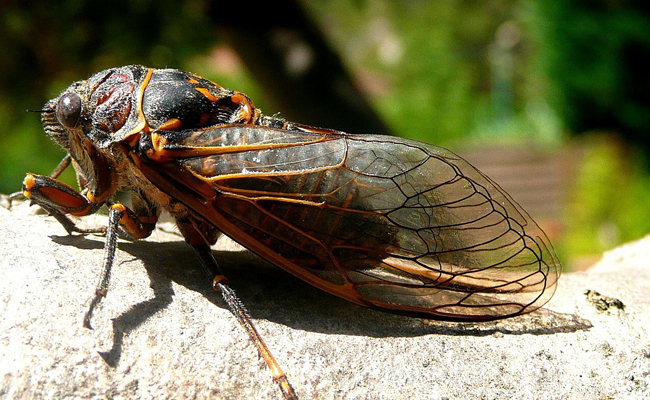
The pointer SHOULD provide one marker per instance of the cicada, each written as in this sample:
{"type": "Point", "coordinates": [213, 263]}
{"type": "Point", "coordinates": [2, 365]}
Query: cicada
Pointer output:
{"type": "Point", "coordinates": [387, 223]}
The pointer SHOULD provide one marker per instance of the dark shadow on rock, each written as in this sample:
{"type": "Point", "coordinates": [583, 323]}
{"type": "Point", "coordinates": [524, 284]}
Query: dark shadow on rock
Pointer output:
{"type": "Point", "coordinates": [84, 242]}
{"type": "Point", "coordinates": [272, 294]}
{"type": "Point", "coordinates": [135, 316]}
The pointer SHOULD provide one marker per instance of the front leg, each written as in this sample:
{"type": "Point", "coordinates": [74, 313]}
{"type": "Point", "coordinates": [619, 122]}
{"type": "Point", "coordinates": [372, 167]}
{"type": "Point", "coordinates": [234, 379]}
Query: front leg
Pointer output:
{"type": "Point", "coordinates": [60, 199]}
{"type": "Point", "coordinates": [63, 164]}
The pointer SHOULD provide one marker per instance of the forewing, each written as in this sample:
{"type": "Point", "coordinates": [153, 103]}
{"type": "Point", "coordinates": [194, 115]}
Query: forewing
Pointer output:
{"type": "Point", "coordinates": [384, 222]}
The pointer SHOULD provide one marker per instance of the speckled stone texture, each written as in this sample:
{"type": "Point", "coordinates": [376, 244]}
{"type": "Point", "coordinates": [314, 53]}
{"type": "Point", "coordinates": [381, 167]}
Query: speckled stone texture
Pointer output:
{"type": "Point", "coordinates": [162, 333]}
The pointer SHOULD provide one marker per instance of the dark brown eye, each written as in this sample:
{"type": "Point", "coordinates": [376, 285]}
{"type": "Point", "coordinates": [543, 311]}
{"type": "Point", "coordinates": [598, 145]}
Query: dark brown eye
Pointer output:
{"type": "Point", "coordinates": [68, 109]}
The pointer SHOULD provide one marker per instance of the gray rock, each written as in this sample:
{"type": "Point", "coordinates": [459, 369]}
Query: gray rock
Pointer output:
{"type": "Point", "coordinates": [162, 333]}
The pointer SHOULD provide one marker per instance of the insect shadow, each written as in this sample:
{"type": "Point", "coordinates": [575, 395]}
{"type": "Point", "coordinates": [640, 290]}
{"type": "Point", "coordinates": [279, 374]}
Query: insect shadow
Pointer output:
{"type": "Point", "coordinates": [275, 295]}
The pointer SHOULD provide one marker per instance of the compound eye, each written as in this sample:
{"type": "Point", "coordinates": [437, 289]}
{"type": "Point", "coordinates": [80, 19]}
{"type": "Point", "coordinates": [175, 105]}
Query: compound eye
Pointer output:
{"type": "Point", "coordinates": [68, 109]}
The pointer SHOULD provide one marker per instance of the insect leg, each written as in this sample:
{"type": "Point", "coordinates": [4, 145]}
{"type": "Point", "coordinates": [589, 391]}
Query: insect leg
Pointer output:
{"type": "Point", "coordinates": [63, 164]}
{"type": "Point", "coordinates": [114, 216]}
{"type": "Point", "coordinates": [238, 309]}
{"type": "Point", "coordinates": [119, 217]}
{"type": "Point", "coordinates": [59, 199]}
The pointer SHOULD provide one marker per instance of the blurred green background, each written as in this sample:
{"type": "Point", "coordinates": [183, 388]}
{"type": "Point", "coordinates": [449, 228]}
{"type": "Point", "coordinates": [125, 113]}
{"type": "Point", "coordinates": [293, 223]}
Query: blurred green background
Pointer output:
{"type": "Point", "coordinates": [550, 98]}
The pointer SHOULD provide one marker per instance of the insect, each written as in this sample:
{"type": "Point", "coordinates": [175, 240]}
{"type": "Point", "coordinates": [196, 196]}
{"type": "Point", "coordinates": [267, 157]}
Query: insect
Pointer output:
{"type": "Point", "coordinates": [387, 223]}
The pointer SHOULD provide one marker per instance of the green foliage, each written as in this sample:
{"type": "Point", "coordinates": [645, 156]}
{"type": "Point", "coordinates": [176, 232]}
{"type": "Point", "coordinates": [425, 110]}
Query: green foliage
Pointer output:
{"type": "Point", "coordinates": [425, 65]}
{"type": "Point", "coordinates": [606, 206]}
{"type": "Point", "coordinates": [590, 224]}
{"type": "Point", "coordinates": [595, 53]}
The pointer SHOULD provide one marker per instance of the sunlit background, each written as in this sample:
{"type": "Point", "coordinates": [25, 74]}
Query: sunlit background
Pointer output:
{"type": "Point", "coordinates": [550, 98]}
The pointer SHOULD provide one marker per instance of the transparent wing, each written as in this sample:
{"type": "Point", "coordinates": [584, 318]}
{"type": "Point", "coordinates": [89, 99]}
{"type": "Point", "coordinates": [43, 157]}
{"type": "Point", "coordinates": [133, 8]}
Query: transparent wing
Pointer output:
{"type": "Point", "coordinates": [384, 222]}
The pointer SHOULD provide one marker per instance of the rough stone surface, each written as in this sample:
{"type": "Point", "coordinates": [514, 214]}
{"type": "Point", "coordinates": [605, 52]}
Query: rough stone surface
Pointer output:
{"type": "Point", "coordinates": [162, 333]}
